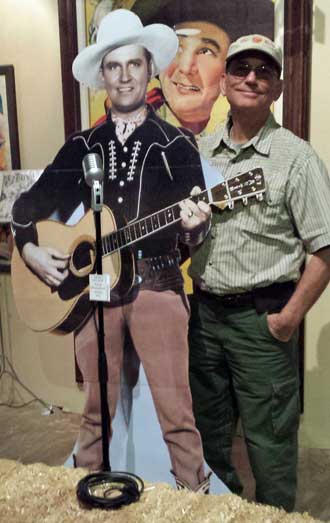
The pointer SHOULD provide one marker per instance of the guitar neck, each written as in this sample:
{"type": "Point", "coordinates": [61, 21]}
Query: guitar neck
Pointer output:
{"type": "Point", "coordinates": [146, 226]}
{"type": "Point", "coordinates": [240, 187]}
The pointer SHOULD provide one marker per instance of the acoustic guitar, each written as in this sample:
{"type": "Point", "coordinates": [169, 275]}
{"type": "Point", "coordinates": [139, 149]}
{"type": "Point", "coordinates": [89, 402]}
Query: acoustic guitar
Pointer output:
{"type": "Point", "coordinates": [63, 309]}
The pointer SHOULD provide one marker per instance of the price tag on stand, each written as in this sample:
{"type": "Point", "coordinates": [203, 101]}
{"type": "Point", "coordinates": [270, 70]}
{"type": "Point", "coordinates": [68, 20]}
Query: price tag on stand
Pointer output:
{"type": "Point", "coordinates": [99, 287]}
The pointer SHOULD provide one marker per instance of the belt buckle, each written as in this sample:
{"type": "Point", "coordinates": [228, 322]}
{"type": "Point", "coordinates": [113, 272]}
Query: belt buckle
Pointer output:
{"type": "Point", "coordinates": [231, 301]}
{"type": "Point", "coordinates": [237, 300]}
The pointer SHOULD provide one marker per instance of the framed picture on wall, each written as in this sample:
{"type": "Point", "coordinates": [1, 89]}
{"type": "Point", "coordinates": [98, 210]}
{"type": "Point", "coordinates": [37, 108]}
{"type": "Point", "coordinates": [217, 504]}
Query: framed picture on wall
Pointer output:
{"type": "Point", "coordinates": [200, 108]}
{"type": "Point", "coordinates": [9, 144]}
{"type": "Point", "coordinates": [292, 25]}
{"type": "Point", "coordinates": [9, 151]}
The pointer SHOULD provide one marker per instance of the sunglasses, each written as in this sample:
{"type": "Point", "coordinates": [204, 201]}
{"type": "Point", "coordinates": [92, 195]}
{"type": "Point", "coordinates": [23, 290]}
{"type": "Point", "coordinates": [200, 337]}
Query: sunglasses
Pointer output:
{"type": "Point", "coordinates": [243, 69]}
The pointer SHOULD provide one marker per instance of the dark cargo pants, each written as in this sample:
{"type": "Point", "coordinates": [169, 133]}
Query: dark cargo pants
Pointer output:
{"type": "Point", "coordinates": [237, 367]}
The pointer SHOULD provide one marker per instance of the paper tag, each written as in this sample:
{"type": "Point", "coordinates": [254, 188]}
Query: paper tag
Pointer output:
{"type": "Point", "coordinates": [99, 287]}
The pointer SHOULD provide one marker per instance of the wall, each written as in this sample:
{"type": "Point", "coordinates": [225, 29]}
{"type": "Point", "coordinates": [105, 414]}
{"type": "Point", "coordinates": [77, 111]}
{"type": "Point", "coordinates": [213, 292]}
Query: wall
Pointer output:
{"type": "Point", "coordinates": [315, 429]}
{"type": "Point", "coordinates": [43, 363]}
{"type": "Point", "coordinates": [29, 39]}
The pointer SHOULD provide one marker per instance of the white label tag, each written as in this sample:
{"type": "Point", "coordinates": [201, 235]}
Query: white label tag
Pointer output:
{"type": "Point", "coordinates": [99, 287]}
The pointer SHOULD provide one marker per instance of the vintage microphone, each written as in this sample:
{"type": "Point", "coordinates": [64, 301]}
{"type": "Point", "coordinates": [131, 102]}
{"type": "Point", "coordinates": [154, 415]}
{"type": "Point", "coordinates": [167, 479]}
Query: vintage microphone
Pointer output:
{"type": "Point", "coordinates": [94, 174]}
{"type": "Point", "coordinates": [118, 488]}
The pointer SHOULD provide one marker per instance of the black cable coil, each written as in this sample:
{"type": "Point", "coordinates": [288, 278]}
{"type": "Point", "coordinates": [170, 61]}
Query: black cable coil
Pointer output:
{"type": "Point", "coordinates": [109, 490]}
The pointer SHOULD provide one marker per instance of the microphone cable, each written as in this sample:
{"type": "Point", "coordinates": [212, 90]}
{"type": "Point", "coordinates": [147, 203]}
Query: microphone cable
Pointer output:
{"type": "Point", "coordinates": [109, 490]}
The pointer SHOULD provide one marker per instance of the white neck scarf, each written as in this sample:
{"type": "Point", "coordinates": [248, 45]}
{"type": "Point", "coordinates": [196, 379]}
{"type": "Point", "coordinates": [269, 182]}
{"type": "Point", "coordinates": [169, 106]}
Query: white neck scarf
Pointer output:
{"type": "Point", "coordinates": [125, 127]}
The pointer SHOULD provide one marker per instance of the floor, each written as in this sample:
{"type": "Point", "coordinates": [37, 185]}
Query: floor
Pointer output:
{"type": "Point", "coordinates": [30, 434]}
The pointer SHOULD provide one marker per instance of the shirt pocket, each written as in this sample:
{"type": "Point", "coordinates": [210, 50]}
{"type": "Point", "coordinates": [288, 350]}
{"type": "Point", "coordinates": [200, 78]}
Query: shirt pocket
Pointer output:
{"type": "Point", "coordinates": [276, 217]}
{"type": "Point", "coordinates": [275, 189]}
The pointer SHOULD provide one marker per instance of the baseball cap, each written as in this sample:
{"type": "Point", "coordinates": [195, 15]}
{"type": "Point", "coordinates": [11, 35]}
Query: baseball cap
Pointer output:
{"type": "Point", "coordinates": [258, 43]}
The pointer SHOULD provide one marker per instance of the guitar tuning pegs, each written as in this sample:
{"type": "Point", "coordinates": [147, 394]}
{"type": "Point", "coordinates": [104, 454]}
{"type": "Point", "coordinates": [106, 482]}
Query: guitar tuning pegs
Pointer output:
{"type": "Point", "coordinates": [245, 201]}
{"type": "Point", "coordinates": [260, 197]}
{"type": "Point", "coordinates": [231, 205]}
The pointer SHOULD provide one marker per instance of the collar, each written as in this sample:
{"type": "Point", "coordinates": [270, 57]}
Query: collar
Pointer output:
{"type": "Point", "coordinates": [261, 141]}
{"type": "Point", "coordinates": [137, 120]}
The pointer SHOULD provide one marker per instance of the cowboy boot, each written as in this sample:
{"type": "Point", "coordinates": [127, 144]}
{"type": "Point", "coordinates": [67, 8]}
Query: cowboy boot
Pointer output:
{"type": "Point", "coordinates": [202, 488]}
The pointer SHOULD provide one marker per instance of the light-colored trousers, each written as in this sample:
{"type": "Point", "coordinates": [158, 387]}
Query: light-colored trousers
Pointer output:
{"type": "Point", "coordinates": [158, 326]}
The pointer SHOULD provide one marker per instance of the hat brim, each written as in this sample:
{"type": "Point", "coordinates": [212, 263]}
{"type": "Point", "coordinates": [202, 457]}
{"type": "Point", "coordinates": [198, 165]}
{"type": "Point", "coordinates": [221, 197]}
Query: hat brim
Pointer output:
{"type": "Point", "coordinates": [236, 17]}
{"type": "Point", "coordinates": [158, 39]}
{"type": "Point", "coordinates": [251, 47]}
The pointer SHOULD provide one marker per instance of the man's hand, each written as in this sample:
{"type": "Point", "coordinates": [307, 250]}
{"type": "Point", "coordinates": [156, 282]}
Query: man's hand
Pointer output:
{"type": "Point", "coordinates": [48, 263]}
{"type": "Point", "coordinates": [282, 326]}
{"type": "Point", "coordinates": [194, 215]}
{"type": "Point", "coordinates": [314, 280]}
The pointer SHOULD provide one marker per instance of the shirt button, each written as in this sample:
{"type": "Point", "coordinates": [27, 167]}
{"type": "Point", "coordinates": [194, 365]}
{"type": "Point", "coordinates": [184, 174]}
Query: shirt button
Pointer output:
{"type": "Point", "coordinates": [120, 199]}
{"type": "Point", "coordinates": [125, 149]}
{"type": "Point", "coordinates": [210, 262]}
{"type": "Point", "coordinates": [123, 164]}
{"type": "Point", "coordinates": [121, 183]}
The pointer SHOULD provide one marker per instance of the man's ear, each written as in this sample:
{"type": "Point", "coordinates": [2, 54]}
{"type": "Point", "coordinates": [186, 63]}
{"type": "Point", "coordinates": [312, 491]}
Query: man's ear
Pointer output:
{"type": "Point", "coordinates": [278, 89]}
{"type": "Point", "coordinates": [222, 83]}
{"type": "Point", "coordinates": [101, 75]}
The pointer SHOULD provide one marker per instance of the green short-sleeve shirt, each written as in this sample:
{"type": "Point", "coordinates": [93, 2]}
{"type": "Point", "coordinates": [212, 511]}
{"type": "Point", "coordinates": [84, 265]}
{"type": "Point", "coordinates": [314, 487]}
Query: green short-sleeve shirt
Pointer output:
{"type": "Point", "coordinates": [264, 242]}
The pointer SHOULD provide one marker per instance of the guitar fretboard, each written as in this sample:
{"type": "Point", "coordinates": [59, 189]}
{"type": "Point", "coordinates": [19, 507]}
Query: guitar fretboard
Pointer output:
{"type": "Point", "coordinates": [240, 187]}
{"type": "Point", "coordinates": [145, 227]}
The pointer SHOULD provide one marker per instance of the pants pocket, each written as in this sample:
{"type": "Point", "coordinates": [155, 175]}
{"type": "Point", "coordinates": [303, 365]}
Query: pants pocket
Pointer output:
{"type": "Point", "coordinates": [285, 408]}
{"type": "Point", "coordinates": [263, 324]}
{"type": "Point", "coordinates": [264, 327]}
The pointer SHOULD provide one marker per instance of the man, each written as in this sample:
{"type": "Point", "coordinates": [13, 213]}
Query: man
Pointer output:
{"type": "Point", "coordinates": [145, 164]}
{"type": "Point", "coordinates": [250, 296]}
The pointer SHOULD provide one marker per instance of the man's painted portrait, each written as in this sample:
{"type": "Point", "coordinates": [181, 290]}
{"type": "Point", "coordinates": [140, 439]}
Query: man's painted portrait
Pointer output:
{"type": "Point", "coordinates": [187, 93]}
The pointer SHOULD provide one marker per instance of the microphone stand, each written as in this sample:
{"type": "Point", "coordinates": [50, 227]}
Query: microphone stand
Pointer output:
{"type": "Point", "coordinates": [97, 202]}
{"type": "Point", "coordinates": [106, 489]}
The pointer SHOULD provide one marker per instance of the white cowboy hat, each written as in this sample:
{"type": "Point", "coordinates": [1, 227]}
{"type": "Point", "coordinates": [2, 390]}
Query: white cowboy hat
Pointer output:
{"type": "Point", "coordinates": [123, 27]}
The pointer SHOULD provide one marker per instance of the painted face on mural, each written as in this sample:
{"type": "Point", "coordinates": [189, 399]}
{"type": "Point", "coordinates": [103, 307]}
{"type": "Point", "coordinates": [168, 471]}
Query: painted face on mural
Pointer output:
{"type": "Point", "coordinates": [126, 73]}
{"type": "Point", "coordinates": [191, 83]}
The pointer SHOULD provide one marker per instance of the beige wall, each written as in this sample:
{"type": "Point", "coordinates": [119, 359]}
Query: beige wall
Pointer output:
{"type": "Point", "coordinates": [44, 363]}
{"type": "Point", "coordinates": [315, 429]}
{"type": "Point", "coordinates": [29, 40]}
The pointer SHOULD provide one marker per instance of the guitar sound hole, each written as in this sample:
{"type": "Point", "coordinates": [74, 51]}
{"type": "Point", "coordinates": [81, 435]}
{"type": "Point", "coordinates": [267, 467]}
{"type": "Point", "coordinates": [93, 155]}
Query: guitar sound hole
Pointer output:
{"type": "Point", "coordinates": [82, 256]}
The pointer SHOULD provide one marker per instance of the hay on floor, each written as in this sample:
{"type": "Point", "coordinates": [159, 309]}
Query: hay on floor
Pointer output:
{"type": "Point", "coordinates": [39, 493]}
